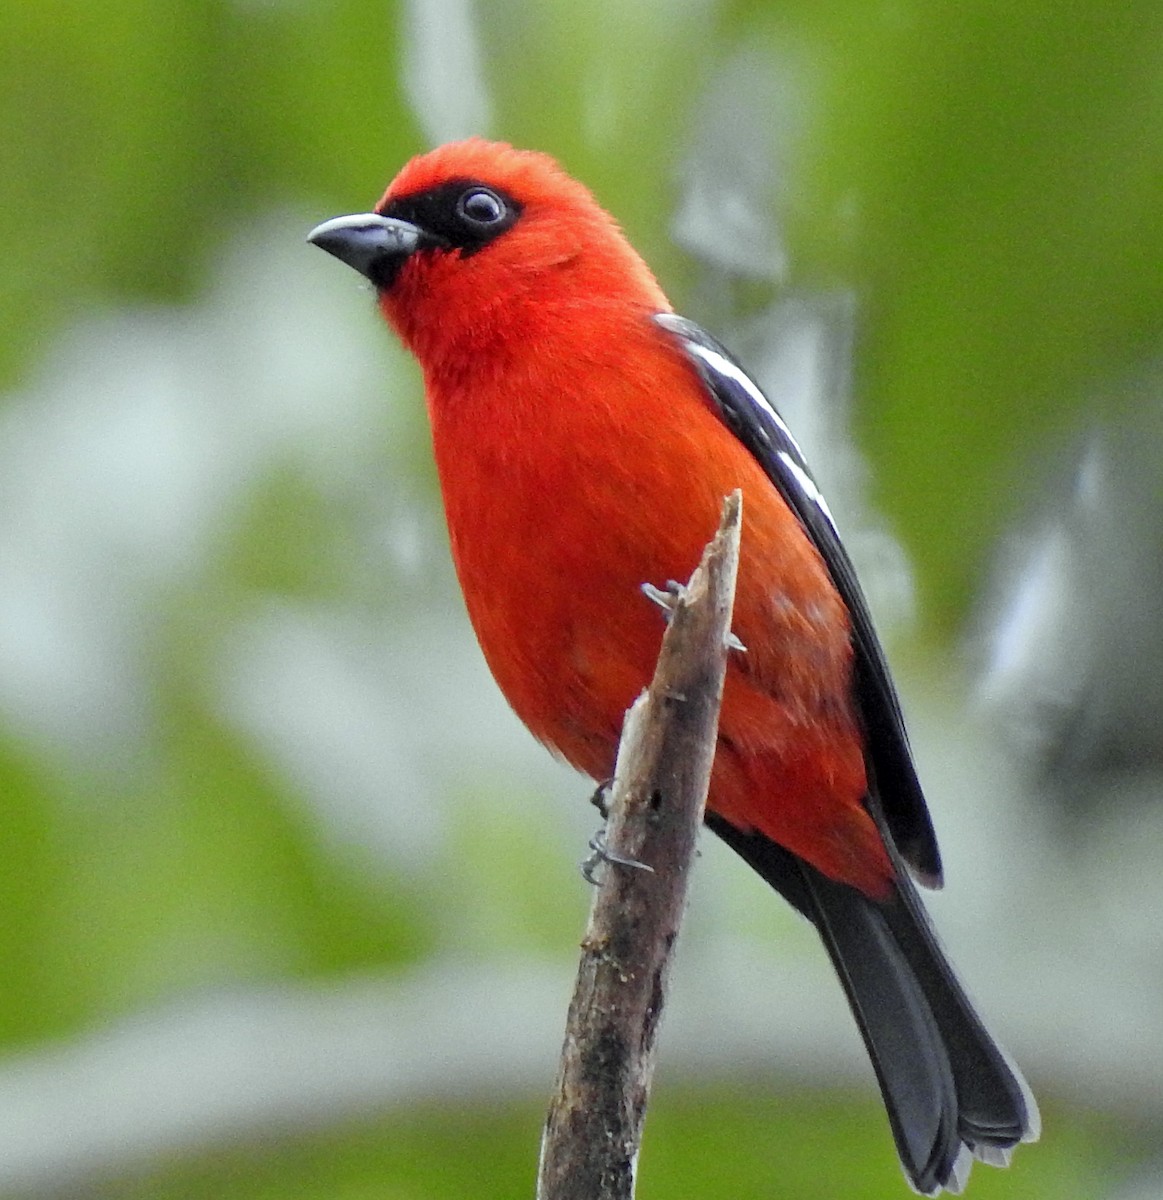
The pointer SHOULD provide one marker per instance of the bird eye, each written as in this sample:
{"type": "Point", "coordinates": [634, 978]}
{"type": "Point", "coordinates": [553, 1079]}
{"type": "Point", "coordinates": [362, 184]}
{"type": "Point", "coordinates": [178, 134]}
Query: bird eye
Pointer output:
{"type": "Point", "coordinates": [481, 207]}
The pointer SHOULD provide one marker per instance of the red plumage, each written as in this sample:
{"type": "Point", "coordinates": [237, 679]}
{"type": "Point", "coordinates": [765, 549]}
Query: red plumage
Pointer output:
{"type": "Point", "coordinates": [579, 458]}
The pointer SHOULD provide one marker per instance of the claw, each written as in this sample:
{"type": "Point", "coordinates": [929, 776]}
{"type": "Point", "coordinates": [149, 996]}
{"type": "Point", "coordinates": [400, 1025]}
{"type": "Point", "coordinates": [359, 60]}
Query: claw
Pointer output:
{"type": "Point", "coordinates": [665, 598]}
{"type": "Point", "coordinates": [601, 853]}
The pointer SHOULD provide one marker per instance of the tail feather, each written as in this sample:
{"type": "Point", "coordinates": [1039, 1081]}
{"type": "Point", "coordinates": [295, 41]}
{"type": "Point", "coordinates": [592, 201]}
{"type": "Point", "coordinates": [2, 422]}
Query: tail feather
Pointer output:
{"type": "Point", "coordinates": [903, 1038]}
{"type": "Point", "coordinates": [997, 1108]}
{"type": "Point", "coordinates": [950, 1092]}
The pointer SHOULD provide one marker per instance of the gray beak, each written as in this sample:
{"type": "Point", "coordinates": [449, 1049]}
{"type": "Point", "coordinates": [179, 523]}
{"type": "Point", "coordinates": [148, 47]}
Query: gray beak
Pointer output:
{"type": "Point", "coordinates": [375, 246]}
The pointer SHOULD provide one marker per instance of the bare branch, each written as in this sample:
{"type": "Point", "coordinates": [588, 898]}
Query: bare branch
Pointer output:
{"type": "Point", "coordinates": [594, 1128]}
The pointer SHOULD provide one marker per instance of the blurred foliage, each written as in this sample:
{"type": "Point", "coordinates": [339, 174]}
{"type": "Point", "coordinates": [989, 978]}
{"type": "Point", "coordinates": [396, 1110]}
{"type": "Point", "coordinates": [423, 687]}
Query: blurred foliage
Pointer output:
{"type": "Point", "coordinates": [701, 1142]}
{"type": "Point", "coordinates": [134, 130]}
{"type": "Point", "coordinates": [991, 178]}
{"type": "Point", "coordinates": [202, 876]}
{"type": "Point", "coordinates": [987, 177]}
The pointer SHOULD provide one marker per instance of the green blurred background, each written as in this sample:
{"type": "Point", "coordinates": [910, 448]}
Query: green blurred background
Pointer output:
{"type": "Point", "coordinates": [289, 901]}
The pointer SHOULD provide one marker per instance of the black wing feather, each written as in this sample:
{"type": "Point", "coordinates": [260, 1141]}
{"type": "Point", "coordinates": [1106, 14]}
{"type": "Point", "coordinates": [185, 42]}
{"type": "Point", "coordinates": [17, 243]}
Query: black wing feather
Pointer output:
{"type": "Point", "coordinates": [756, 423]}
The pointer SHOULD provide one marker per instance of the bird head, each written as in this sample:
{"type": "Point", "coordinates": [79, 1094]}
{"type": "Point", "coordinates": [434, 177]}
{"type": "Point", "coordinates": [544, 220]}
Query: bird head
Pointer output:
{"type": "Point", "coordinates": [475, 234]}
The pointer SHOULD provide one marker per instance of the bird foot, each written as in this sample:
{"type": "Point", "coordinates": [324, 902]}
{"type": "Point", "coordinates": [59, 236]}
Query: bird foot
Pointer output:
{"type": "Point", "coordinates": [601, 796]}
{"type": "Point", "coordinates": [666, 598]}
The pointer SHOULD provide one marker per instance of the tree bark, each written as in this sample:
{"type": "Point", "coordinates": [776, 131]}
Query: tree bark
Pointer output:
{"type": "Point", "coordinates": [593, 1131]}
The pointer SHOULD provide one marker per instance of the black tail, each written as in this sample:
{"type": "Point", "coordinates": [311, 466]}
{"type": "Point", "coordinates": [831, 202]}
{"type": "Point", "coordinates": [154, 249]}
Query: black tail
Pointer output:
{"type": "Point", "coordinates": [950, 1091]}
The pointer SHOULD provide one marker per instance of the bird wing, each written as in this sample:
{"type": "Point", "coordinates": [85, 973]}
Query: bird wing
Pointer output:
{"type": "Point", "coordinates": [896, 799]}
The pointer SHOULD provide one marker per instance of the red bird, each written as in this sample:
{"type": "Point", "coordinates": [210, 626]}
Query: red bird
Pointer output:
{"type": "Point", "coordinates": [585, 436]}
